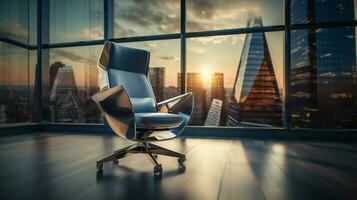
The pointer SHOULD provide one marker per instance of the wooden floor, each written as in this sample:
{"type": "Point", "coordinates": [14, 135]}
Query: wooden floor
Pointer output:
{"type": "Point", "coordinates": [62, 166]}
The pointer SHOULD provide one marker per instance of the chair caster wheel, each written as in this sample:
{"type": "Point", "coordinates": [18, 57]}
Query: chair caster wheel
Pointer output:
{"type": "Point", "coordinates": [158, 170]}
{"type": "Point", "coordinates": [181, 160]}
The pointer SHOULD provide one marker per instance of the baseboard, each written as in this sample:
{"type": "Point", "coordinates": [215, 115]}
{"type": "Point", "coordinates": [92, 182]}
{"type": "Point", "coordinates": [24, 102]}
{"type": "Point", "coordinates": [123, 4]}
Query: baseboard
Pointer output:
{"type": "Point", "coordinates": [198, 131]}
{"type": "Point", "coordinates": [272, 133]}
{"type": "Point", "coordinates": [20, 128]}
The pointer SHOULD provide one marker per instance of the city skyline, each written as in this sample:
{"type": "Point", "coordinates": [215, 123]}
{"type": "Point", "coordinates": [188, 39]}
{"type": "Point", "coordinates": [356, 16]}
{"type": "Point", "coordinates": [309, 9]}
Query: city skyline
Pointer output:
{"type": "Point", "coordinates": [166, 53]}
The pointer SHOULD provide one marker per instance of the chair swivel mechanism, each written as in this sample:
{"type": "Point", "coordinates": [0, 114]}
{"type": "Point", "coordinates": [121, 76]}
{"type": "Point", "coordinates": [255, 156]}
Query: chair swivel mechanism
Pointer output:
{"type": "Point", "coordinates": [129, 108]}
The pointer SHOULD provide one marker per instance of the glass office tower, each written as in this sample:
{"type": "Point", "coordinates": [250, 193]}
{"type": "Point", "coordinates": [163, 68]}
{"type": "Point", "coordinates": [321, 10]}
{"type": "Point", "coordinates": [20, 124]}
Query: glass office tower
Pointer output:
{"type": "Point", "coordinates": [64, 106]}
{"type": "Point", "coordinates": [218, 92]}
{"type": "Point", "coordinates": [157, 80]}
{"type": "Point", "coordinates": [195, 84]}
{"type": "Point", "coordinates": [214, 113]}
{"type": "Point", "coordinates": [255, 99]}
{"type": "Point", "coordinates": [323, 67]}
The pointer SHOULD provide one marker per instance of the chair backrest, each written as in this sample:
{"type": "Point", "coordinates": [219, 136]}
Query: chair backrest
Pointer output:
{"type": "Point", "coordinates": [128, 67]}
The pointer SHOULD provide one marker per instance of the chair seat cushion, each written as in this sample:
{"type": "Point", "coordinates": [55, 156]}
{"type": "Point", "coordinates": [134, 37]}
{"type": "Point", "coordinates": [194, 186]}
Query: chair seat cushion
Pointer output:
{"type": "Point", "coordinates": [157, 120]}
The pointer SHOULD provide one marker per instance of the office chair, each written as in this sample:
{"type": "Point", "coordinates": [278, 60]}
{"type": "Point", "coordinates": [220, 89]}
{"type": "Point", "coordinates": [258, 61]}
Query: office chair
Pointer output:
{"type": "Point", "coordinates": [128, 105]}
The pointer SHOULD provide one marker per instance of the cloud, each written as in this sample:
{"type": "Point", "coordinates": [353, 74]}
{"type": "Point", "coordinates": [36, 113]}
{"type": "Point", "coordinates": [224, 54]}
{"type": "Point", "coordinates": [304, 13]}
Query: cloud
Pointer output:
{"type": "Point", "coordinates": [14, 30]}
{"type": "Point", "coordinates": [124, 31]}
{"type": "Point", "coordinates": [202, 8]}
{"type": "Point", "coordinates": [238, 39]}
{"type": "Point", "coordinates": [168, 58]}
{"type": "Point", "coordinates": [72, 56]}
{"type": "Point", "coordinates": [152, 16]}
{"type": "Point", "coordinates": [197, 50]}
{"type": "Point", "coordinates": [196, 25]}
{"type": "Point", "coordinates": [89, 33]}
{"type": "Point", "coordinates": [221, 39]}
{"type": "Point", "coordinates": [138, 17]}
{"type": "Point", "coordinates": [10, 51]}
{"type": "Point", "coordinates": [220, 18]}
{"type": "Point", "coordinates": [203, 45]}
{"type": "Point", "coordinates": [213, 15]}
{"type": "Point", "coordinates": [152, 45]}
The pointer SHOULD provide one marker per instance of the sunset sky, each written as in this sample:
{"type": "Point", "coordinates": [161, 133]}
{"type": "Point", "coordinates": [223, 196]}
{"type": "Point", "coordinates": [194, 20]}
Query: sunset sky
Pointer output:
{"type": "Point", "coordinates": [206, 54]}
{"type": "Point", "coordinates": [83, 20]}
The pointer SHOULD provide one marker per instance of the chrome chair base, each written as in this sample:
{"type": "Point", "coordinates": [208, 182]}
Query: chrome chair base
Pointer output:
{"type": "Point", "coordinates": [149, 149]}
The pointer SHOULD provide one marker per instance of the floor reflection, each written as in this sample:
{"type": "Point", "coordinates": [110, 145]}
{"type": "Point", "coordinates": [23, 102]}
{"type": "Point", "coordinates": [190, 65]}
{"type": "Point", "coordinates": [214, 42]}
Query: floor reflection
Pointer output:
{"type": "Point", "coordinates": [123, 182]}
{"type": "Point", "coordinates": [62, 166]}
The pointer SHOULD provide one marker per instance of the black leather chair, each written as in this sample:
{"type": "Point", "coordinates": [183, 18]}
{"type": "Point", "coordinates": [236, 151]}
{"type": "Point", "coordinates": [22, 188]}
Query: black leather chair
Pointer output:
{"type": "Point", "coordinates": [128, 104]}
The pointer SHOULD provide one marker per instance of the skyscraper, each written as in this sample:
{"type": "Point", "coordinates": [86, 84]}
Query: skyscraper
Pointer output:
{"type": "Point", "coordinates": [214, 113]}
{"type": "Point", "coordinates": [53, 72]}
{"type": "Point", "coordinates": [2, 114]}
{"type": "Point", "coordinates": [64, 97]}
{"type": "Point", "coordinates": [255, 97]}
{"type": "Point", "coordinates": [218, 92]}
{"type": "Point", "coordinates": [171, 91]}
{"type": "Point", "coordinates": [195, 84]}
{"type": "Point", "coordinates": [157, 80]}
{"type": "Point", "coordinates": [91, 112]}
{"type": "Point", "coordinates": [323, 67]}
{"type": "Point", "coordinates": [91, 80]}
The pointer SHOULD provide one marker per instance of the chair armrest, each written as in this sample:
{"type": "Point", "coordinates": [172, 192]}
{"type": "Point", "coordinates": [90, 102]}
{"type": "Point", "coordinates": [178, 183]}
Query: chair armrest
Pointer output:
{"type": "Point", "coordinates": [182, 103]}
{"type": "Point", "coordinates": [174, 100]}
{"type": "Point", "coordinates": [117, 111]}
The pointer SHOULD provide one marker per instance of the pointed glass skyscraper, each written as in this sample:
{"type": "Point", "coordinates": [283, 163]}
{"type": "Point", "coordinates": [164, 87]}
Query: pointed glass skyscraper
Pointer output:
{"type": "Point", "coordinates": [255, 100]}
{"type": "Point", "coordinates": [64, 97]}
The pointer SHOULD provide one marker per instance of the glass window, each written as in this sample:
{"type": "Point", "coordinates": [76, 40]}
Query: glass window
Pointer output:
{"type": "Point", "coordinates": [314, 11]}
{"type": "Point", "coordinates": [323, 78]}
{"type": "Point", "coordinates": [226, 14]}
{"type": "Point", "coordinates": [77, 20]}
{"type": "Point", "coordinates": [237, 80]}
{"type": "Point", "coordinates": [14, 20]}
{"type": "Point", "coordinates": [16, 84]}
{"type": "Point", "coordinates": [33, 22]}
{"type": "Point", "coordinates": [70, 78]}
{"type": "Point", "coordinates": [164, 66]}
{"type": "Point", "coordinates": [133, 18]}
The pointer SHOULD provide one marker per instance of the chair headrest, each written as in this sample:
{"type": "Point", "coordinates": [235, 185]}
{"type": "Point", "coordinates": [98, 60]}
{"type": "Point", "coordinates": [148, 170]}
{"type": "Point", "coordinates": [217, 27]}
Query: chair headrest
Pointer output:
{"type": "Point", "coordinates": [115, 56]}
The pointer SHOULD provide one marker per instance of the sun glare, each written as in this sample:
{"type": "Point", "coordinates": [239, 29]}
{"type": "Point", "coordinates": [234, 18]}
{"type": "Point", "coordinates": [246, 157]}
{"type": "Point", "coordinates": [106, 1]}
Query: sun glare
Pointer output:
{"type": "Point", "coordinates": [206, 76]}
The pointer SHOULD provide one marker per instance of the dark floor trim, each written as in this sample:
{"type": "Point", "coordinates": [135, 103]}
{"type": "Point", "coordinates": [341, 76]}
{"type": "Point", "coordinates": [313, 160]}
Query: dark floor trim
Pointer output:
{"type": "Point", "coordinates": [272, 133]}
{"type": "Point", "coordinates": [18, 128]}
{"type": "Point", "coordinates": [64, 127]}
{"type": "Point", "coordinates": [200, 132]}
